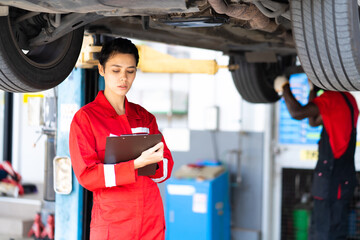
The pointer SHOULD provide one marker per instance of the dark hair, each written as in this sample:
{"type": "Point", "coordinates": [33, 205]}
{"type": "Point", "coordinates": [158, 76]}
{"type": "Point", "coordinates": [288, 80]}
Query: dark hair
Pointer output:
{"type": "Point", "coordinates": [117, 45]}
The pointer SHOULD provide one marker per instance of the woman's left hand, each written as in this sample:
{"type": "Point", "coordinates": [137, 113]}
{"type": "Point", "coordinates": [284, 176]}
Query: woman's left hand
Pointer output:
{"type": "Point", "coordinates": [154, 154]}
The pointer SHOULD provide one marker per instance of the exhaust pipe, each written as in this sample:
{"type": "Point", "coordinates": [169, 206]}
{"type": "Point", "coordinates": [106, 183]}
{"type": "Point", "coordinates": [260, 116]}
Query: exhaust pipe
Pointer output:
{"type": "Point", "coordinates": [250, 13]}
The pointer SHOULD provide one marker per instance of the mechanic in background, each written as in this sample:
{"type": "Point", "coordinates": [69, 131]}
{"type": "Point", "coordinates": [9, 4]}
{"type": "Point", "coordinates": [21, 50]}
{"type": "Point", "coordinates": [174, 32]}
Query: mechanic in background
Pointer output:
{"type": "Point", "coordinates": [334, 177]}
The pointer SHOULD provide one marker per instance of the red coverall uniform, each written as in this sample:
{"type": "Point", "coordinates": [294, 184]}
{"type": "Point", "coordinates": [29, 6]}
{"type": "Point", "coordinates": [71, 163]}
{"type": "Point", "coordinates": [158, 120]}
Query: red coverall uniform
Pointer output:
{"type": "Point", "coordinates": [125, 205]}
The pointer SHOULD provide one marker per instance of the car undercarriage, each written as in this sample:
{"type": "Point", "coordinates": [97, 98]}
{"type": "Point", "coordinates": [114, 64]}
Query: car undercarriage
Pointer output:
{"type": "Point", "coordinates": [263, 36]}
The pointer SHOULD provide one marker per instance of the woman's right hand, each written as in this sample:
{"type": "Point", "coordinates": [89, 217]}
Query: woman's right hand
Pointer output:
{"type": "Point", "coordinates": [154, 154]}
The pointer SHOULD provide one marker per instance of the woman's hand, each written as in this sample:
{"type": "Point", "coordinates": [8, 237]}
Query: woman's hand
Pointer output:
{"type": "Point", "coordinates": [152, 155]}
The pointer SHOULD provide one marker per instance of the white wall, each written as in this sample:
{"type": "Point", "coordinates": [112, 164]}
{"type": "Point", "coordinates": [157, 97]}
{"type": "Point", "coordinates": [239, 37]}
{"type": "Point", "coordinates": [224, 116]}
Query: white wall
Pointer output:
{"type": "Point", "coordinates": [28, 157]}
{"type": "Point", "coordinates": [204, 92]}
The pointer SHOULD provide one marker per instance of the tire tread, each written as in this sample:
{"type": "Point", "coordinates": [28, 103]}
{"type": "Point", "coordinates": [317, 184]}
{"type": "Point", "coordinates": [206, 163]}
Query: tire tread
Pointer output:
{"type": "Point", "coordinates": [324, 33]}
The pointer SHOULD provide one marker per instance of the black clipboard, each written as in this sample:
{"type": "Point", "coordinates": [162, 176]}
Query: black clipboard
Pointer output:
{"type": "Point", "coordinates": [127, 147]}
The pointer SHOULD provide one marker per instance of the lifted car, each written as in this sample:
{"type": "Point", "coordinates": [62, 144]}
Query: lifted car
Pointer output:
{"type": "Point", "coordinates": [40, 40]}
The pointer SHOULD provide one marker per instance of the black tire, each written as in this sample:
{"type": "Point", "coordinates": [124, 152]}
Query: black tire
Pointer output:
{"type": "Point", "coordinates": [42, 67]}
{"type": "Point", "coordinates": [254, 81]}
{"type": "Point", "coordinates": [327, 37]}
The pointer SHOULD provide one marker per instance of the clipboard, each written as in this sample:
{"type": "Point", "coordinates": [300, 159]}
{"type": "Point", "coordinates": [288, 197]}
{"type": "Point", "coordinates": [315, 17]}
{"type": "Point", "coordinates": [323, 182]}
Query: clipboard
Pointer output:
{"type": "Point", "coordinates": [127, 147]}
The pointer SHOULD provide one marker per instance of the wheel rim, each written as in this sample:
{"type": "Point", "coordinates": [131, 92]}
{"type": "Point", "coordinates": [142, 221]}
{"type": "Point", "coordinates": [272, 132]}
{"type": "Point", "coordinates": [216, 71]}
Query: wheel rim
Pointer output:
{"type": "Point", "coordinates": [44, 56]}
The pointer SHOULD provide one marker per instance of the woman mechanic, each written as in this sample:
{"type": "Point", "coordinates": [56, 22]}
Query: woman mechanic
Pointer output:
{"type": "Point", "coordinates": [125, 205]}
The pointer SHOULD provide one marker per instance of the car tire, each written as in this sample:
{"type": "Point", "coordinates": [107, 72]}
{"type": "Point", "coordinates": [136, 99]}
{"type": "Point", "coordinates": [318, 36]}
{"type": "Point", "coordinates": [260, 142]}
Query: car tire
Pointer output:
{"type": "Point", "coordinates": [42, 67]}
{"type": "Point", "coordinates": [327, 36]}
{"type": "Point", "coordinates": [254, 81]}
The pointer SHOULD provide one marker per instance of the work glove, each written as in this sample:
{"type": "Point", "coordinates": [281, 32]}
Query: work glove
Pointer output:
{"type": "Point", "coordinates": [279, 84]}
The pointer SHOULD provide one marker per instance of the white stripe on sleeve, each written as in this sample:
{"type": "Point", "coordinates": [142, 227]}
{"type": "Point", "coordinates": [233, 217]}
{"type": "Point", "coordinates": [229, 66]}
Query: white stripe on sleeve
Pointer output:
{"type": "Point", "coordinates": [109, 173]}
{"type": "Point", "coordinates": [165, 171]}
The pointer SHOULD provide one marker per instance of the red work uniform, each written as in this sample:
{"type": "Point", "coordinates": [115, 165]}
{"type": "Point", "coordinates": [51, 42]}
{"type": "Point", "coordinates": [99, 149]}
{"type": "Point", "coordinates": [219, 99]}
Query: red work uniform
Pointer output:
{"type": "Point", "coordinates": [125, 205]}
{"type": "Point", "coordinates": [336, 118]}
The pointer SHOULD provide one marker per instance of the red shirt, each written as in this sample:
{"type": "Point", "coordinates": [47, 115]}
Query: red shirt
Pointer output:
{"type": "Point", "coordinates": [336, 118]}
{"type": "Point", "coordinates": [125, 205]}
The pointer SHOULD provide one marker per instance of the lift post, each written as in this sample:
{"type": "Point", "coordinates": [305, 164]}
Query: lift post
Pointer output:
{"type": "Point", "coordinates": [69, 221]}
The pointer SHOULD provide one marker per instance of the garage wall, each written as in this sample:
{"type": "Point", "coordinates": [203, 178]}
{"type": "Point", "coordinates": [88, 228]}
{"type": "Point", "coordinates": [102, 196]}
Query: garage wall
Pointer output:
{"type": "Point", "coordinates": [27, 159]}
{"type": "Point", "coordinates": [246, 196]}
{"type": "Point", "coordinates": [202, 93]}
{"type": "Point", "coordinates": [28, 142]}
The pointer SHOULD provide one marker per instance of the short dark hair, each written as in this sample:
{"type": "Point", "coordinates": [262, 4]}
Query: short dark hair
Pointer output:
{"type": "Point", "coordinates": [117, 45]}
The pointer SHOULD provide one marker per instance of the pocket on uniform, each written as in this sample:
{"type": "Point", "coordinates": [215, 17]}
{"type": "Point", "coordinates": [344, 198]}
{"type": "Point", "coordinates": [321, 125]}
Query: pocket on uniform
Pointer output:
{"type": "Point", "coordinates": [321, 185]}
{"type": "Point", "coordinates": [347, 189]}
{"type": "Point", "coordinates": [123, 225]}
{"type": "Point", "coordinates": [121, 211]}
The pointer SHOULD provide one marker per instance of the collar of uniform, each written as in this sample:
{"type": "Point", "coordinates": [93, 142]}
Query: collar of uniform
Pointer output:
{"type": "Point", "coordinates": [109, 111]}
{"type": "Point", "coordinates": [130, 111]}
